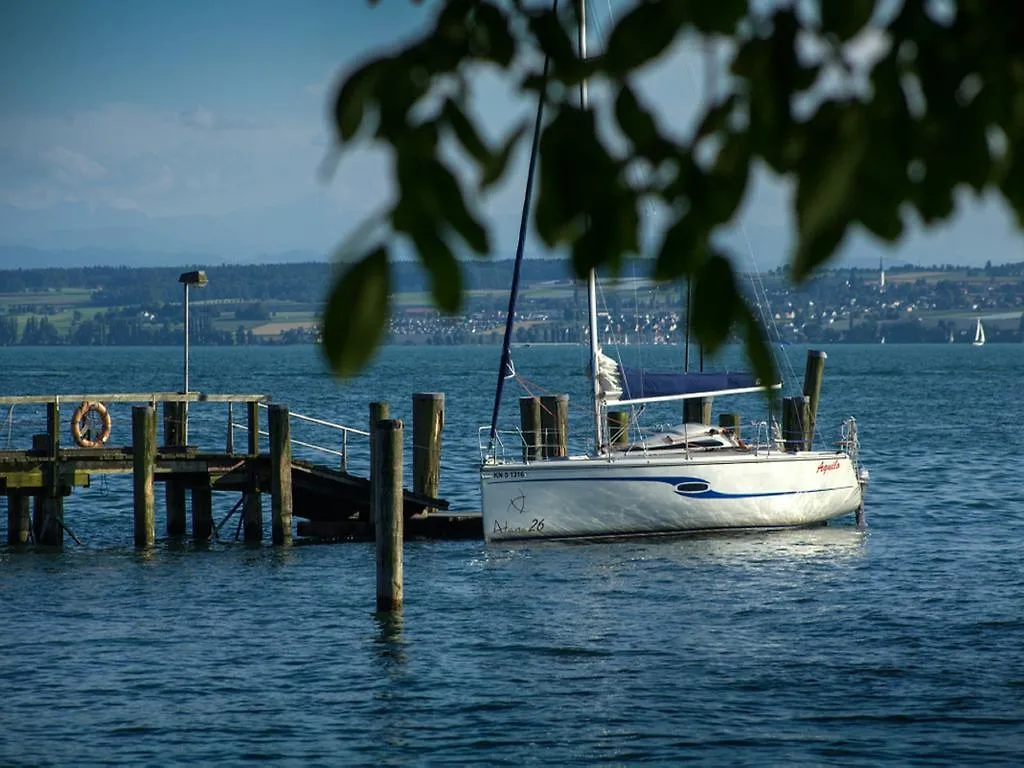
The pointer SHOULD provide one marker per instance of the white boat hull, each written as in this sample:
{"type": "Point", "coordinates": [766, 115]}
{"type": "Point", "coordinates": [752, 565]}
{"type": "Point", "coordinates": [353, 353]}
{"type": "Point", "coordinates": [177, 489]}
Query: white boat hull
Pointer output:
{"type": "Point", "coordinates": [665, 494]}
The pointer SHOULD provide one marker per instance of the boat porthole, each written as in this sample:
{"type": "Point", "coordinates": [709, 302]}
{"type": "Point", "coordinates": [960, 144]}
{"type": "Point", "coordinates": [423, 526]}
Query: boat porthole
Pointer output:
{"type": "Point", "coordinates": [696, 486]}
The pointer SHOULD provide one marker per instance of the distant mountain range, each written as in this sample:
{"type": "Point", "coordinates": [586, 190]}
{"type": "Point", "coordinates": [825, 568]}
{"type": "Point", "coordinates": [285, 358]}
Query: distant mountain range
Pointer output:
{"type": "Point", "coordinates": [76, 235]}
{"type": "Point", "coordinates": [22, 257]}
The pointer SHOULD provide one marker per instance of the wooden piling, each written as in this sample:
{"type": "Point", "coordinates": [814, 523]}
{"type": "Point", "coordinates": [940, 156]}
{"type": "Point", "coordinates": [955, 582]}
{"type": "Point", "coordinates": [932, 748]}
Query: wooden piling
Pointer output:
{"type": "Point", "coordinates": [813, 374]}
{"type": "Point", "coordinates": [48, 504]}
{"type": "Point", "coordinates": [697, 410]}
{"type": "Point", "coordinates": [174, 490]}
{"type": "Point", "coordinates": [730, 422]}
{"type": "Point", "coordinates": [427, 426]}
{"type": "Point", "coordinates": [144, 462]}
{"type": "Point", "coordinates": [252, 506]}
{"type": "Point", "coordinates": [280, 474]}
{"type": "Point", "coordinates": [794, 423]}
{"type": "Point", "coordinates": [530, 426]}
{"type": "Point", "coordinates": [387, 513]}
{"type": "Point", "coordinates": [554, 421]}
{"type": "Point", "coordinates": [618, 428]}
{"type": "Point", "coordinates": [202, 513]}
{"type": "Point", "coordinates": [379, 411]}
{"type": "Point", "coordinates": [19, 521]}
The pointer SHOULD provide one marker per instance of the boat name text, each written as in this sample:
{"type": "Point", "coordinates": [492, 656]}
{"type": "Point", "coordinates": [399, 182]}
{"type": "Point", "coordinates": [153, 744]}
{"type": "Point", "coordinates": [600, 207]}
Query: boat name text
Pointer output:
{"type": "Point", "coordinates": [536, 526]}
{"type": "Point", "coordinates": [823, 467]}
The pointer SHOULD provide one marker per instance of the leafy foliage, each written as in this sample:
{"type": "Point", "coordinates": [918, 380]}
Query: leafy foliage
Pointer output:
{"type": "Point", "coordinates": [866, 143]}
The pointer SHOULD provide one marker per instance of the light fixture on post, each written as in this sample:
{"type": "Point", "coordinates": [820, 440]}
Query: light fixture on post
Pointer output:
{"type": "Point", "coordinates": [197, 278]}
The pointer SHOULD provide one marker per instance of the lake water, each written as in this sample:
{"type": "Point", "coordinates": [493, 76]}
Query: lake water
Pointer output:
{"type": "Point", "coordinates": [903, 644]}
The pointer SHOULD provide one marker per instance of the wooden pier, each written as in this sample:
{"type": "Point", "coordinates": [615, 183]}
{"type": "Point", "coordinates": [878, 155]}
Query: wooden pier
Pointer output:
{"type": "Point", "coordinates": [330, 502]}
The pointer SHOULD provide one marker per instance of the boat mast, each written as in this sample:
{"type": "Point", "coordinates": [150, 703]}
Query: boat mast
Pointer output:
{"type": "Point", "coordinates": [595, 348]}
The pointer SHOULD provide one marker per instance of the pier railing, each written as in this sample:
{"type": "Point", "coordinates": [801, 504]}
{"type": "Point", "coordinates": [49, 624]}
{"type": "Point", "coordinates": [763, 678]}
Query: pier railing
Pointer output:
{"type": "Point", "coordinates": [176, 416]}
{"type": "Point", "coordinates": [341, 452]}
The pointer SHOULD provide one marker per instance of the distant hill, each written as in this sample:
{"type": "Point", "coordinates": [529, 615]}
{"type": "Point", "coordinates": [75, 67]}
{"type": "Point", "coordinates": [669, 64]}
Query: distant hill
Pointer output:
{"type": "Point", "coordinates": [24, 257]}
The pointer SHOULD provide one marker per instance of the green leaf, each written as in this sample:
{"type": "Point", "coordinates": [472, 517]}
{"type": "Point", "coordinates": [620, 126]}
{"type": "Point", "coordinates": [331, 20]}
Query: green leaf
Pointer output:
{"type": "Point", "coordinates": [555, 43]}
{"type": "Point", "coordinates": [354, 97]}
{"type": "Point", "coordinates": [716, 18]}
{"type": "Point", "coordinates": [466, 133]}
{"type": "Point", "coordinates": [727, 181]}
{"type": "Point", "coordinates": [356, 313]}
{"type": "Point", "coordinates": [495, 169]}
{"type": "Point", "coordinates": [578, 178]}
{"type": "Point", "coordinates": [716, 302]}
{"type": "Point", "coordinates": [610, 232]}
{"type": "Point", "coordinates": [758, 350]}
{"type": "Point", "coordinates": [827, 183]}
{"type": "Point", "coordinates": [642, 35]}
{"type": "Point", "coordinates": [636, 122]}
{"type": "Point", "coordinates": [845, 18]}
{"type": "Point", "coordinates": [683, 249]}
{"type": "Point", "coordinates": [492, 39]}
{"type": "Point", "coordinates": [443, 268]}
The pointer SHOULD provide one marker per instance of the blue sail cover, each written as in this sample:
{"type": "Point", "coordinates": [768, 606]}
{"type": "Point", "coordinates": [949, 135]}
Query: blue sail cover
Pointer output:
{"type": "Point", "coordinates": [638, 383]}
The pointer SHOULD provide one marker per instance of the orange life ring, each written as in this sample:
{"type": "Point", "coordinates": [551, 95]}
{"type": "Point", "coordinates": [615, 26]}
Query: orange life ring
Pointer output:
{"type": "Point", "coordinates": [83, 425]}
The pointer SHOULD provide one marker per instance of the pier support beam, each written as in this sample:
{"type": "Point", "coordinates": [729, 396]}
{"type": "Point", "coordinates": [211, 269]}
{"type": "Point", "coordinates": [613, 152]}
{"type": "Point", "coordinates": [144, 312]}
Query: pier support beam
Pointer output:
{"type": "Point", "coordinates": [813, 374]}
{"type": "Point", "coordinates": [48, 506]}
{"type": "Point", "coordinates": [427, 426]}
{"type": "Point", "coordinates": [252, 506]}
{"type": "Point", "coordinates": [529, 425]}
{"type": "Point", "coordinates": [19, 521]}
{"type": "Point", "coordinates": [554, 421]}
{"type": "Point", "coordinates": [174, 490]}
{"type": "Point", "coordinates": [280, 474]}
{"type": "Point", "coordinates": [202, 513]}
{"type": "Point", "coordinates": [387, 513]}
{"type": "Point", "coordinates": [144, 462]}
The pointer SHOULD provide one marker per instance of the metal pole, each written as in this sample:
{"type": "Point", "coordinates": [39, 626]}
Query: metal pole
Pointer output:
{"type": "Point", "coordinates": [595, 345]}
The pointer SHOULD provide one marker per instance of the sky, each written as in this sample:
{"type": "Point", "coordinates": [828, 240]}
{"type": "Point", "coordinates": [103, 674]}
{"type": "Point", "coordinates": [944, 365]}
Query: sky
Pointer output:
{"type": "Point", "coordinates": [198, 126]}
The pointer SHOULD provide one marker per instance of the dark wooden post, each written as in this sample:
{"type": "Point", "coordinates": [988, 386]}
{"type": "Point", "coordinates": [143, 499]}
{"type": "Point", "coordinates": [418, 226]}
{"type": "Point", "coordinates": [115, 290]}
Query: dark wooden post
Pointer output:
{"type": "Point", "coordinates": [427, 425]}
{"type": "Point", "coordinates": [794, 423]}
{"type": "Point", "coordinates": [252, 506]}
{"type": "Point", "coordinates": [618, 428]}
{"type": "Point", "coordinates": [813, 374]}
{"type": "Point", "coordinates": [387, 513]}
{"type": "Point", "coordinates": [174, 490]}
{"type": "Point", "coordinates": [379, 411]}
{"type": "Point", "coordinates": [229, 444]}
{"type": "Point", "coordinates": [53, 499]}
{"type": "Point", "coordinates": [697, 410]}
{"type": "Point", "coordinates": [202, 512]}
{"type": "Point", "coordinates": [48, 504]}
{"type": "Point", "coordinates": [280, 474]}
{"type": "Point", "coordinates": [554, 420]}
{"type": "Point", "coordinates": [18, 519]}
{"type": "Point", "coordinates": [144, 461]}
{"type": "Point", "coordinates": [730, 422]}
{"type": "Point", "coordinates": [529, 425]}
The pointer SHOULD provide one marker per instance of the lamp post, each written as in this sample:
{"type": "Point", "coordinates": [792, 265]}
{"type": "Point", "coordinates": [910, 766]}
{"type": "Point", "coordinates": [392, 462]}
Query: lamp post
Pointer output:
{"type": "Point", "coordinates": [197, 278]}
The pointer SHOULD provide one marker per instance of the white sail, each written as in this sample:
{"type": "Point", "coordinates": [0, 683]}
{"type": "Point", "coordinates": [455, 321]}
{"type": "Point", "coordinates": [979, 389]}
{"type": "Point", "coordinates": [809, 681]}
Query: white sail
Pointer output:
{"type": "Point", "coordinates": [979, 334]}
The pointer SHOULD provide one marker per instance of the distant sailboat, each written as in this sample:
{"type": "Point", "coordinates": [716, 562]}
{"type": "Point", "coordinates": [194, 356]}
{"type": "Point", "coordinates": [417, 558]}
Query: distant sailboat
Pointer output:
{"type": "Point", "coordinates": [979, 334]}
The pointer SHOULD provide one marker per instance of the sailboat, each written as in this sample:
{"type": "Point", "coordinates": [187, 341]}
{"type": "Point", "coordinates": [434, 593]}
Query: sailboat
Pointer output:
{"type": "Point", "coordinates": [688, 478]}
{"type": "Point", "coordinates": [979, 334]}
